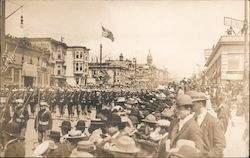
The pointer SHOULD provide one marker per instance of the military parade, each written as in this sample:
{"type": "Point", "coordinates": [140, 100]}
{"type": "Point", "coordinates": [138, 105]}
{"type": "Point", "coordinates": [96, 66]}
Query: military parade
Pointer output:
{"type": "Point", "coordinates": [122, 78]}
{"type": "Point", "coordinates": [126, 122]}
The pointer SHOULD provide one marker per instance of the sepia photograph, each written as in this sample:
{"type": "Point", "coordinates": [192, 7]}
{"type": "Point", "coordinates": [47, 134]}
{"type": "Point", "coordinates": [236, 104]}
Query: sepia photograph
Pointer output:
{"type": "Point", "coordinates": [124, 78]}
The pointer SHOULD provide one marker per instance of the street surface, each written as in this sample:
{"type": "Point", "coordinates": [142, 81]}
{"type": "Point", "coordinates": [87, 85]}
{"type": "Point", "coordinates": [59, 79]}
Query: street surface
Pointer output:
{"type": "Point", "coordinates": [233, 136]}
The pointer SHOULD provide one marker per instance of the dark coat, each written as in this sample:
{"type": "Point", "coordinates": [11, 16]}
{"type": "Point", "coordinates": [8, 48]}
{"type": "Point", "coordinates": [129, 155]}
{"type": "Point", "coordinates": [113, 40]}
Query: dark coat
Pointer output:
{"type": "Point", "coordinates": [190, 131]}
{"type": "Point", "coordinates": [14, 149]}
{"type": "Point", "coordinates": [213, 136]}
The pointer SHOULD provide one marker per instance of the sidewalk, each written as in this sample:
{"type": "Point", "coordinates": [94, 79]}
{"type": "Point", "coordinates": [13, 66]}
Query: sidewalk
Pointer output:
{"type": "Point", "coordinates": [236, 147]}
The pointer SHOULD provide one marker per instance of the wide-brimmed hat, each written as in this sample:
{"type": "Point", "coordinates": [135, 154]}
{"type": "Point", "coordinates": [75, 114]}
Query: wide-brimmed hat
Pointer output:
{"type": "Point", "coordinates": [86, 146]}
{"type": "Point", "coordinates": [75, 134]}
{"type": "Point", "coordinates": [66, 124]}
{"type": "Point", "coordinates": [113, 120]}
{"type": "Point", "coordinates": [55, 135]}
{"type": "Point", "coordinates": [43, 147]}
{"type": "Point", "coordinates": [131, 101]}
{"type": "Point", "coordinates": [80, 125]}
{"type": "Point", "coordinates": [76, 153]}
{"type": "Point", "coordinates": [19, 101]}
{"type": "Point", "coordinates": [123, 144]}
{"type": "Point", "coordinates": [184, 100]}
{"type": "Point", "coordinates": [150, 119]}
{"type": "Point", "coordinates": [198, 96]}
{"type": "Point", "coordinates": [3, 99]}
{"type": "Point", "coordinates": [163, 123]}
{"type": "Point", "coordinates": [186, 151]}
{"type": "Point", "coordinates": [12, 129]}
{"type": "Point", "coordinates": [121, 100]}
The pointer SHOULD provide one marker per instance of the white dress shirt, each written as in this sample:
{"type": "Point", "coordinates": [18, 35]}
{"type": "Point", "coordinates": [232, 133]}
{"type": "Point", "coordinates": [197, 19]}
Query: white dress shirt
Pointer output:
{"type": "Point", "coordinates": [201, 116]}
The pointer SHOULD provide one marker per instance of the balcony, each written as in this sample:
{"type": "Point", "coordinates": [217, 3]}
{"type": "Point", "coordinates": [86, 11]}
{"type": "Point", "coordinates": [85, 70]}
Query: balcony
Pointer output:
{"type": "Point", "coordinates": [60, 60]}
{"type": "Point", "coordinates": [78, 72]}
{"type": "Point", "coordinates": [60, 77]}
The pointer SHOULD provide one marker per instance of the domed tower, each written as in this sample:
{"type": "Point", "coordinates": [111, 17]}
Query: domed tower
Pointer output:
{"type": "Point", "coordinates": [149, 58]}
{"type": "Point", "coordinates": [121, 57]}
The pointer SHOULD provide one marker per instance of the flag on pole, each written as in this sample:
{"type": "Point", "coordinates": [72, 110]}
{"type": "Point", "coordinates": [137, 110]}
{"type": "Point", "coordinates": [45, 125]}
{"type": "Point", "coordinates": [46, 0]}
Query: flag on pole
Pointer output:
{"type": "Point", "coordinates": [9, 59]}
{"type": "Point", "coordinates": [108, 34]}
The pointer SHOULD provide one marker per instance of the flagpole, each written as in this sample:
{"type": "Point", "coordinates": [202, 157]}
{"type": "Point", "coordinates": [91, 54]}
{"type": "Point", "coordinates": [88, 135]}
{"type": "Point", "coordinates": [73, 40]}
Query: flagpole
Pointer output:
{"type": "Point", "coordinates": [101, 53]}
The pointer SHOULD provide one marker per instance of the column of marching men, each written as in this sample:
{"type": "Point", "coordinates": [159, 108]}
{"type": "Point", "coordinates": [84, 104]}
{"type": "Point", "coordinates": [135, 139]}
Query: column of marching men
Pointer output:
{"type": "Point", "coordinates": [180, 120]}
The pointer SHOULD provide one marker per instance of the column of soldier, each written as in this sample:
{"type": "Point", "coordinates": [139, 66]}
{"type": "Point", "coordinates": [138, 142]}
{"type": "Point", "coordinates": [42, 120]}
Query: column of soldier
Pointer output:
{"type": "Point", "coordinates": [181, 120]}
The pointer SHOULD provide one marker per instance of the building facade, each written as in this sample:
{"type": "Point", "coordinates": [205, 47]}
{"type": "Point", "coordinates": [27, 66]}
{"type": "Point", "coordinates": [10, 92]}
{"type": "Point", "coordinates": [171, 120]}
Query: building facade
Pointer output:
{"type": "Point", "coordinates": [57, 52]}
{"type": "Point", "coordinates": [226, 62]}
{"type": "Point", "coordinates": [30, 66]}
{"type": "Point", "coordinates": [113, 72]}
{"type": "Point", "coordinates": [149, 76]}
{"type": "Point", "coordinates": [77, 60]}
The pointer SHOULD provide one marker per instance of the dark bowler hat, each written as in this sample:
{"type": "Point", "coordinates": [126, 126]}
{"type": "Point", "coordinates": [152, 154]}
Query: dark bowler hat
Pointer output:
{"type": "Point", "coordinates": [55, 135]}
{"type": "Point", "coordinates": [66, 125]}
{"type": "Point", "coordinates": [80, 125]}
{"type": "Point", "coordinates": [12, 129]}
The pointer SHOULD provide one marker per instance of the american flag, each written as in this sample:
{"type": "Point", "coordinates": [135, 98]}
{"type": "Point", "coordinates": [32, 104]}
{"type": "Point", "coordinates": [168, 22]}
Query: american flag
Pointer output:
{"type": "Point", "coordinates": [108, 34]}
{"type": "Point", "coordinates": [9, 58]}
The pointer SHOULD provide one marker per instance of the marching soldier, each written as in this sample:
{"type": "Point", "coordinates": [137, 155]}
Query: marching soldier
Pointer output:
{"type": "Point", "coordinates": [43, 122]}
{"type": "Point", "coordinates": [4, 119]}
{"type": "Point", "coordinates": [13, 147]}
{"type": "Point", "coordinates": [21, 117]}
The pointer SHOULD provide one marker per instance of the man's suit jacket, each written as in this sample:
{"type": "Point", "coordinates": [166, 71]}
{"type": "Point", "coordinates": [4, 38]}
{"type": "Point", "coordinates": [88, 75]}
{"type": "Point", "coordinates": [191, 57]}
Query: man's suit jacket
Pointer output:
{"type": "Point", "coordinates": [213, 136]}
{"type": "Point", "coordinates": [190, 131]}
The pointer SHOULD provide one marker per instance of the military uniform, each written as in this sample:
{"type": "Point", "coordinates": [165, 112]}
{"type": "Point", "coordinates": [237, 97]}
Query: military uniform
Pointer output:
{"type": "Point", "coordinates": [43, 123]}
{"type": "Point", "coordinates": [4, 119]}
{"type": "Point", "coordinates": [21, 117]}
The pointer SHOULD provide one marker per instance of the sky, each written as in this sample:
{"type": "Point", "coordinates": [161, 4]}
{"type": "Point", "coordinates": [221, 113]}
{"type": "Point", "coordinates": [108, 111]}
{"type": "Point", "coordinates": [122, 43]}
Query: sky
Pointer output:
{"type": "Point", "coordinates": [175, 31]}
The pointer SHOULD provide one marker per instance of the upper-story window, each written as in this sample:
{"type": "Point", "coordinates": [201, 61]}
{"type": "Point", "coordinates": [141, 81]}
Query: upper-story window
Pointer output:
{"type": "Point", "coordinates": [81, 55]}
{"type": "Point", "coordinates": [59, 53]}
{"type": "Point", "coordinates": [77, 67]}
{"type": "Point", "coordinates": [77, 55]}
{"type": "Point", "coordinates": [58, 70]}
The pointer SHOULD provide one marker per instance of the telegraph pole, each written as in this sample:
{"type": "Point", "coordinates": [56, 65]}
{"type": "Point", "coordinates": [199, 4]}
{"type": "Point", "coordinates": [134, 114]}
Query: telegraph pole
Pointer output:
{"type": "Point", "coordinates": [246, 50]}
{"type": "Point", "coordinates": [2, 38]}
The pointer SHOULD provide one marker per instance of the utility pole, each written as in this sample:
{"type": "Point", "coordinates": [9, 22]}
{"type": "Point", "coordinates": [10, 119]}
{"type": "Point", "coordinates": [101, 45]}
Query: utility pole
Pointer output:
{"type": "Point", "coordinates": [100, 60]}
{"type": "Point", "coordinates": [2, 39]}
{"type": "Point", "coordinates": [246, 50]}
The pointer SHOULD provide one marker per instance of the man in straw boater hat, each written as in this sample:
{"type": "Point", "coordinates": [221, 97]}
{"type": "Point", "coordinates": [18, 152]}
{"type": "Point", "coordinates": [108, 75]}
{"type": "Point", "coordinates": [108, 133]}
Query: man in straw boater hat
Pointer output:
{"type": "Point", "coordinates": [43, 121]}
{"type": "Point", "coordinates": [13, 147]}
{"type": "Point", "coordinates": [184, 127]}
{"type": "Point", "coordinates": [212, 128]}
{"type": "Point", "coordinates": [4, 119]}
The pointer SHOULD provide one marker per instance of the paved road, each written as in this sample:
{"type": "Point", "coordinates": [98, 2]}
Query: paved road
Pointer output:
{"type": "Point", "coordinates": [235, 144]}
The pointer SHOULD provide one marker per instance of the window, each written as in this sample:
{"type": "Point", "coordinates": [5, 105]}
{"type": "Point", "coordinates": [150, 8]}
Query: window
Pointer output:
{"type": "Point", "coordinates": [77, 81]}
{"type": "Point", "coordinates": [77, 67]}
{"type": "Point", "coordinates": [80, 55]}
{"type": "Point", "coordinates": [58, 70]}
{"type": "Point", "coordinates": [77, 55]}
{"type": "Point", "coordinates": [80, 66]}
{"type": "Point", "coordinates": [59, 54]}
